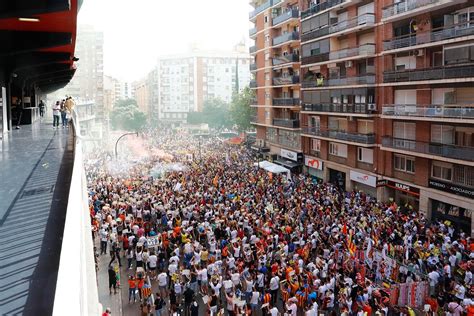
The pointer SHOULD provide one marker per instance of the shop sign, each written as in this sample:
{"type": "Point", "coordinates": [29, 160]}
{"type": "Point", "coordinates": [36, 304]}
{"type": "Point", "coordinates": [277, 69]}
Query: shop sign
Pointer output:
{"type": "Point", "coordinates": [451, 188]}
{"type": "Point", "coordinates": [289, 154]}
{"type": "Point", "coordinates": [313, 163]}
{"type": "Point", "coordinates": [399, 186]}
{"type": "Point", "coordinates": [363, 178]}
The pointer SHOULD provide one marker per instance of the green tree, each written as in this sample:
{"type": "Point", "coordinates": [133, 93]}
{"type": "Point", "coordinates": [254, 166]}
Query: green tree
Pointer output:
{"type": "Point", "coordinates": [240, 110]}
{"type": "Point", "coordinates": [126, 115]}
{"type": "Point", "coordinates": [215, 113]}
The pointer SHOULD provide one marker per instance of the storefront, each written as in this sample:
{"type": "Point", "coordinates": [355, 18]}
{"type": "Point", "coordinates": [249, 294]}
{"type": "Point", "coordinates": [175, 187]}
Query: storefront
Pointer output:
{"type": "Point", "coordinates": [364, 182]}
{"type": "Point", "coordinates": [458, 217]}
{"type": "Point", "coordinates": [291, 160]}
{"type": "Point", "coordinates": [314, 168]}
{"type": "Point", "coordinates": [401, 193]}
{"type": "Point", "coordinates": [337, 178]}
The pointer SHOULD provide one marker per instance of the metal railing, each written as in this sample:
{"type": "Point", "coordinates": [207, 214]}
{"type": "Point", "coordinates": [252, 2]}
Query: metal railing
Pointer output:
{"type": "Point", "coordinates": [279, 81]}
{"type": "Point", "coordinates": [286, 101]}
{"type": "Point", "coordinates": [253, 84]}
{"type": "Point", "coordinates": [341, 135]}
{"type": "Point", "coordinates": [252, 49]}
{"type": "Point", "coordinates": [315, 33]}
{"type": "Point", "coordinates": [289, 123]}
{"type": "Point", "coordinates": [286, 37]}
{"type": "Point", "coordinates": [76, 285]}
{"type": "Point", "coordinates": [360, 20]}
{"type": "Point", "coordinates": [366, 49]}
{"type": "Point", "coordinates": [355, 108]}
{"type": "Point", "coordinates": [252, 31]}
{"type": "Point", "coordinates": [290, 14]}
{"type": "Point", "coordinates": [405, 6]}
{"type": "Point", "coordinates": [253, 67]}
{"type": "Point", "coordinates": [435, 35]}
{"type": "Point", "coordinates": [260, 8]}
{"type": "Point", "coordinates": [293, 58]}
{"type": "Point", "coordinates": [320, 7]}
{"type": "Point", "coordinates": [368, 79]}
{"type": "Point", "coordinates": [448, 72]}
{"type": "Point", "coordinates": [443, 150]}
{"type": "Point", "coordinates": [430, 111]}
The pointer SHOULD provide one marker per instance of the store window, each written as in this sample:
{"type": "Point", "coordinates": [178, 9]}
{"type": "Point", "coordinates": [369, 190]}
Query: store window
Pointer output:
{"type": "Point", "coordinates": [404, 163]}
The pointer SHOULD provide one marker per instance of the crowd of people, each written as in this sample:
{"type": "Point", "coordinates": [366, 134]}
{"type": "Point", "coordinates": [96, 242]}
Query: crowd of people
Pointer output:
{"type": "Point", "coordinates": [215, 234]}
{"type": "Point", "coordinates": [62, 109]}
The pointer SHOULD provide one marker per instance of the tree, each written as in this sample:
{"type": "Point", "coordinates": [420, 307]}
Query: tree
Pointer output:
{"type": "Point", "coordinates": [126, 115]}
{"type": "Point", "coordinates": [240, 110]}
{"type": "Point", "coordinates": [215, 113]}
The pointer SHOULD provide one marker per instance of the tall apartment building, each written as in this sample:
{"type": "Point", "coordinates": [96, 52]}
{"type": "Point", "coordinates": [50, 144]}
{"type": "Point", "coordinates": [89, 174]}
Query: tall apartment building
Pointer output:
{"type": "Point", "coordinates": [88, 82]}
{"type": "Point", "coordinates": [387, 99]}
{"type": "Point", "coordinates": [111, 93]}
{"type": "Point", "coordinates": [276, 68]}
{"type": "Point", "coordinates": [186, 81]}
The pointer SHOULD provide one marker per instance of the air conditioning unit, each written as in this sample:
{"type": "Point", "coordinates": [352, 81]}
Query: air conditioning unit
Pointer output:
{"type": "Point", "coordinates": [348, 64]}
{"type": "Point", "coordinates": [371, 106]}
{"type": "Point", "coordinates": [419, 52]}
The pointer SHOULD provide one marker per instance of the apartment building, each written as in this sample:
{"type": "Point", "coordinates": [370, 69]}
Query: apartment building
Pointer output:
{"type": "Point", "coordinates": [186, 81]}
{"type": "Point", "coordinates": [276, 70]}
{"type": "Point", "coordinates": [387, 98]}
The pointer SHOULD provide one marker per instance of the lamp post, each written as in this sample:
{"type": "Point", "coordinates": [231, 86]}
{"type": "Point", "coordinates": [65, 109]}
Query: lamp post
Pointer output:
{"type": "Point", "coordinates": [116, 143]}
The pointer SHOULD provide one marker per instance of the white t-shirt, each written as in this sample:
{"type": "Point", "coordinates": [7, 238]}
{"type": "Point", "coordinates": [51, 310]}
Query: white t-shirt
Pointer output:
{"type": "Point", "coordinates": [293, 308]}
{"type": "Point", "coordinates": [274, 283]}
{"type": "Point", "coordinates": [274, 311]}
{"type": "Point", "coordinates": [254, 298]}
{"type": "Point", "coordinates": [162, 279]}
{"type": "Point", "coordinates": [152, 261]}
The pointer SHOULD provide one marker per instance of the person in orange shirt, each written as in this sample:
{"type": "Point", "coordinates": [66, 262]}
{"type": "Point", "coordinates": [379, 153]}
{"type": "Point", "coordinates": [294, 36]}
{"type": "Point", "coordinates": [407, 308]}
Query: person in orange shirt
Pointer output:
{"type": "Point", "coordinates": [470, 309]}
{"type": "Point", "coordinates": [132, 287]}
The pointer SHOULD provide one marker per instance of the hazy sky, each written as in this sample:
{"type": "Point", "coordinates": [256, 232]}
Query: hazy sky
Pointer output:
{"type": "Point", "coordinates": [136, 32]}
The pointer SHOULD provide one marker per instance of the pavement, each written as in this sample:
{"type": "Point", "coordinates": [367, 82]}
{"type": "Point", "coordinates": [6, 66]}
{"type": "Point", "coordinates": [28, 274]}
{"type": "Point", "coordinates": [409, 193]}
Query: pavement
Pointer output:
{"type": "Point", "coordinates": [35, 170]}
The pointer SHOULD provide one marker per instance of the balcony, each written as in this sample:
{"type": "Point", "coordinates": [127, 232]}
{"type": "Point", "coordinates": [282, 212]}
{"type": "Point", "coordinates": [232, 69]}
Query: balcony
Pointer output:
{"type": "Point", "coordinates": [355, 108]}
{"type": "Point", "coordinates": [253, 84]}
{"type": "Point", "coordinates": [286, 37]}
{"type": "Point", "coordinates": [253, 67]}
{"type": "Point", "coordinates": [286, 102]}
{"type": "Point", "coordinates": [347, 81]}
{"type": "Point", "coordinates": [321, 7]}
{"type": "Point", "coordinates": [286, 123]}
{"type": "Point", "coordinates": [261, 8]}
{"type": "Point", "coordinates": [314, 59]}
{"type": "Point", "coordinates": [360, 21]}
{"type": "Point", "coordinates": [253, 118]}
{"type": "Point", "coordinates": [294, 58]}
{"type": "Point", "coordinates": [283, 81]}
{"type": "Point", "coordinates": [252, 31]}
{"type": "Point", "coordinates": [429, 112]}
{"type": "Point", "coordinates": [442, 150]}
{"type": "Point", "coordinates": [253, 101]}
{"type": "Point", "coordinates": [290, 14]}
{"type": "Point", "coordinates": [252, 49]}
{"type": "Point", "coordinates": [406, 8]}
{"type": "Point", "coordinates": [363, 50]}
{"type": "Point", "coordinates": [315, 34]}
{"type": "Point", "coordinates": [368, 139]}
{"type": "Point", "coordinates": [439, 73]}
{"type": "Point", "coordinates": [436, 35]}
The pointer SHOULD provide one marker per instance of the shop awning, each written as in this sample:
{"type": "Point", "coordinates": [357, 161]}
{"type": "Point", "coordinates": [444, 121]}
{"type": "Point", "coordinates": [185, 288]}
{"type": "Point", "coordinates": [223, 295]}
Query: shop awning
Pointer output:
{"type": "Point", "coordinates": [273, 168]}
{"type": "Point", "coordinates": [287, 163]}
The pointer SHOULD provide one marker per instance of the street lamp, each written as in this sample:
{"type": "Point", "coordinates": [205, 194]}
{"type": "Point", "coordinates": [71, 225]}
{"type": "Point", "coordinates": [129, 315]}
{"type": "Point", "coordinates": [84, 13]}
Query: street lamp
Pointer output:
{"type": "Point", "coordinates": [116, 143]}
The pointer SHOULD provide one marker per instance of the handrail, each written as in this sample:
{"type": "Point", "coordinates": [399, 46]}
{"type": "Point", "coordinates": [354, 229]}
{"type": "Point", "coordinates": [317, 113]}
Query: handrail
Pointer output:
{"type": "Point", "coordinates": [438, 111]}
{"type": "Point", "coordinates": [76, 286]}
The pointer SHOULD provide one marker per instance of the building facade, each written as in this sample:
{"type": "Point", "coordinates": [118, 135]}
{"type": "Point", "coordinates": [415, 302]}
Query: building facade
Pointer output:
{"type": "Point", "coordinates": [387, 99]}
{"type": "Point", "coordinates": [185, 81]}
{"type": "Point", "coordinates": [111, 93]}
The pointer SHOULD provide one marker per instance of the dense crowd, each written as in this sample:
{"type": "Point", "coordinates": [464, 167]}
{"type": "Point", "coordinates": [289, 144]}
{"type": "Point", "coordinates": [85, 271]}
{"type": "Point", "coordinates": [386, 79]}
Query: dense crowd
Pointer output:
{"type": "Point", "coordinates": [212, 232]}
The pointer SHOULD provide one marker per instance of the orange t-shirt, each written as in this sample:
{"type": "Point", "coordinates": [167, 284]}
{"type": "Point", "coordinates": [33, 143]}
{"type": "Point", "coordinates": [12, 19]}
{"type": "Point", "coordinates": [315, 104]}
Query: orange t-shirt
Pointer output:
{"type": "Point", "coordinates": [470, 310]}
{"type": "Point", "coordinates": [131, 284]}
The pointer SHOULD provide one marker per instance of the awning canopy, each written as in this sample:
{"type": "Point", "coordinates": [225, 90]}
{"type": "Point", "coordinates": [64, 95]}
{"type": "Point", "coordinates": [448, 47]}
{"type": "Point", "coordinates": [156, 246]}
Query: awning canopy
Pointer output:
{"type": "Point", "coordinates": [287, 163]}
{"type": "Point", "coordinates": [273, 168]}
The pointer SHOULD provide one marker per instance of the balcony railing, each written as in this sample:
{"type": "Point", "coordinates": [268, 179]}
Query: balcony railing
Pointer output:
{"type": "Point", "coordinates": [363, 50]}
{"type": "Point", "coordinates": [253, 118]}
{"type": "Point", "coordinates": [320, 7]}
{"type": "Point", "coordinates": [291, 36]}
{"type": "Point", "coordinates": [315, 59]}
{"type": "Point", "coordinates": [435, 35]}
{"type": "Point", "coordinates": [405, 6]}
{"type": "Point", "coordinates": [443, 150]}
{"type": "Point", "coordinates": [368, 79]}
{"type": "Point", "coordinates": [286, 123]}
{"type": "Point", "coordinates": [364, 19]}
{"type": "Point", "coordinates": [253, 67]}
{"type": "Point", "coordinates": [315, 34]}
{"type": "Point", "coordinates": [253, 101]}
{"type": "Point", "coordinates": [260, 8]}
{"type": "Point", "coordinates": [430, 111]}
{"type": "Point", "coordinates": [286, 102]}
{"type": "Point", "coordinates": [253, 84]}
{"type": "Point", "coordinates": [284, 141]}
{"type": "Point", "coordinates": [281, 81]}
{"type": "Point", "coordinates": [294, 58]}
{"type": "Point", "coordinates": [341, 135]}
{"type": "Point", "coordinates": [357, 108]}
{"type": "Point", "coordinates": [290, 14]}
{"type": "Point", "coordinates": [439, 73]}
{"type": "Point", "coordinates": [252, 49]}
{"type": "Point", "coordinates": [252, 31]}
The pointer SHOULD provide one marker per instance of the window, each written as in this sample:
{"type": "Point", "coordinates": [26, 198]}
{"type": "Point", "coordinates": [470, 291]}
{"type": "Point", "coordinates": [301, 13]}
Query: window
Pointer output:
{"type": "Point", "coordinates": [404, 163]}
{"type": "Point", "coordinates": [267, 56]}
{"type": "Point", "coordinates": [316, 145]}
{"type": "Point", "coordinates": [337, 149]}
{"type": "Point", "coordinates": [267, 76]}
{"type": "Point", "coordinates": [442, 170]}
{"type": "Point", "coordinates": [442, 134]}
{"type": "Point", "coordinates": [265, 18]}
{"type": "Point", "coordinates": [404, 130]}
{"type": "Point", "coordinates": [463, 175]}
{"type": "Point", "coordinates": [365, 155]}
{"type": "Point", "coordinates": [267, 96]}
{"type": "Point", "coordinates": [365, 127]}
{"type": "Point", "coordinates": [267, 115]}
{"type": "Point", "coordinates": [267, 38]}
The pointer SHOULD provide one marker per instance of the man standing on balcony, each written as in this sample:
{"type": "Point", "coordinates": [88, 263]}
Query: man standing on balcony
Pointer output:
{"type": "Point", "coordinates": [56, 114]}
{"type": "Point", "coordinates": [69, 106]}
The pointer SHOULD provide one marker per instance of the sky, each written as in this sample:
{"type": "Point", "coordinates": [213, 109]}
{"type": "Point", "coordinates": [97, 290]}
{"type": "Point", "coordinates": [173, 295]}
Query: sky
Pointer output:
{"type": "Point", "coordinates": [136, 32]}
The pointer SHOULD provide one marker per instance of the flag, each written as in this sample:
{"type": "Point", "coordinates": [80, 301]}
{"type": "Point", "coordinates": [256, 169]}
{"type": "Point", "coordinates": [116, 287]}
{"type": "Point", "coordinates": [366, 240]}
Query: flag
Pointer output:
{"type": "Point", "coordinates": [350, 244]}
{"type": "Point", "coordinates": [344, 229]}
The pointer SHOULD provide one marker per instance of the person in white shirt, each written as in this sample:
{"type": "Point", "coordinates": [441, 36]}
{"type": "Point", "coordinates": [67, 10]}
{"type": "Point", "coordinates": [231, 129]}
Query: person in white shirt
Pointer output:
{"type": "Point", "coordinates": [291, 307]}
{"type": "Point", "coordinates": [162, 283]}
{"type": "Point", "coordinates": [152, 260]}
{"type": "Point", "coordinates": [254, 301]}
{"type": "Point", "coordinates": [274, 286]}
